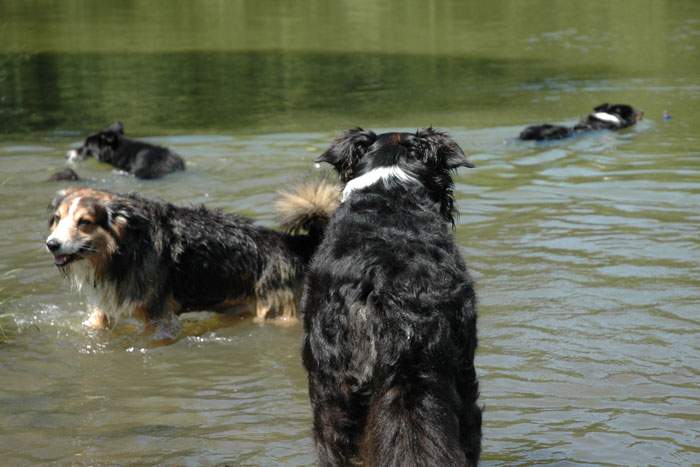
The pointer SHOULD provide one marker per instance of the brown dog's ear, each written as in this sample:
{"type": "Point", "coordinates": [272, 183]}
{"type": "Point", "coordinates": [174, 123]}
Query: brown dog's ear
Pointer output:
{"type": "Point", "coordinates": [441, 150]}
{"type": "Point", "coordinates": [60, 196]}
{"type": "Point", "coordinates": [347, 150]}
{"type": "Point", "coordinates": [101, 213]}
{"type": "Point", "coordinates": [57, 200]}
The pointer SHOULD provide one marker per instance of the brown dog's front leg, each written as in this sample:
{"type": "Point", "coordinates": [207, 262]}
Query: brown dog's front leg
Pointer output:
{"type": "Point", "coordinates": [161, 322]}
{"type": "Point", "coordinates": [97, 321]}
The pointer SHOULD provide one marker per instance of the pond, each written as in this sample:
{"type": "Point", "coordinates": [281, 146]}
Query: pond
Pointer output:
{"type": "Point", "coordinates": [585, 251]}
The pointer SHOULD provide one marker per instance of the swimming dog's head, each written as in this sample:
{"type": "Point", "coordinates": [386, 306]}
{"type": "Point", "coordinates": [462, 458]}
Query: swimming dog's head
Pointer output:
{"type": "Point", "coordinates": [101, 144]}
{"type": "Point", "coordinates": [82, 227]}
{"type": "Point", "coordinates": [427, 157]}
{"type": "Point", "coordinates": [619, 115]}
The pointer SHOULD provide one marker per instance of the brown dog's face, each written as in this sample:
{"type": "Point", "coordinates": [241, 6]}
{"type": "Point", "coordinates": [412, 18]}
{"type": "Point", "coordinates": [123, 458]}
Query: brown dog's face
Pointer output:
{"type": "Point", "coordinates": [80, 227]}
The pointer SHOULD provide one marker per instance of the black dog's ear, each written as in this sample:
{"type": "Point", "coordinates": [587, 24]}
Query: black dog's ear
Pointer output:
{"type": "Point", "coordinates": [602, 107]}
{"type": "Point", "coordinates": [347, 150]}
{"type": "Point", "coordinates": [117, 127]}
{"type": "Point", "coordinates": [441, 150]}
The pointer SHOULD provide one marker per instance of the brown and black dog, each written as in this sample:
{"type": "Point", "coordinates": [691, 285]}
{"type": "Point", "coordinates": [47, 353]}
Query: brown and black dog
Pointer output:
{"type": "Point", "coordinates": [152, 260]}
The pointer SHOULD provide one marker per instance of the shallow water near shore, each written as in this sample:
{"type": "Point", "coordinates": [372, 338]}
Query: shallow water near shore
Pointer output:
{"type": "Point", "coordinates": [585, 251]}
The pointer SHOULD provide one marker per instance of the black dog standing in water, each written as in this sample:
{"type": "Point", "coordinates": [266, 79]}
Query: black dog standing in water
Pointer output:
{"type": "Point", "coordinates": [390, 311]}
{"type": "Point", "coordinates": [604, 117]}
{"type": "Point", "coordinates": [143, 160]}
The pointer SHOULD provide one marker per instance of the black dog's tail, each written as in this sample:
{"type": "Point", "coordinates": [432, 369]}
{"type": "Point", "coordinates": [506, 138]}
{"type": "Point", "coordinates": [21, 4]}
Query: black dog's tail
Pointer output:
{"type": "Point", "coordinates": [416, 424]}
{"type": "Point", "coordinates": [307, 209]}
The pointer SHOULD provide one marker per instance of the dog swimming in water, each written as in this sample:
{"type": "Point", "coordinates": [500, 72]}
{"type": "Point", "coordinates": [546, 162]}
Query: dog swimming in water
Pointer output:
{"type": "Point", "coordinates": [143, 160]}
{"type": "Point", "coordinates": [603, 117]}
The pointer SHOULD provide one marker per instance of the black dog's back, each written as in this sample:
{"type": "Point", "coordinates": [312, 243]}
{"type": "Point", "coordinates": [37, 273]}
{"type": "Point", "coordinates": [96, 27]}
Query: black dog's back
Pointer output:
{"type": "Point", "coordinates": [545, 132]}
{"type": "Point", "coordinates": [146, 160]}
{"type": "Point", "coordinates": [405, 356]}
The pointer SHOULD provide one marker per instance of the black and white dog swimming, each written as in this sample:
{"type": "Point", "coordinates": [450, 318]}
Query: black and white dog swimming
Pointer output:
{"type": "Point", "coordinates": [389, 310]}
{"type": "Point", "coordinates": [604, 117]}
{"type": "Point", "coordinates": [143, 160]}
{"type": "Point", "coordinates": [151, 260]}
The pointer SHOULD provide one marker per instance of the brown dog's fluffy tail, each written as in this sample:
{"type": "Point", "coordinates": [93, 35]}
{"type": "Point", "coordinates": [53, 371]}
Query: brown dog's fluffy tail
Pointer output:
{"type": "Point", "coordinates": [304, 213]}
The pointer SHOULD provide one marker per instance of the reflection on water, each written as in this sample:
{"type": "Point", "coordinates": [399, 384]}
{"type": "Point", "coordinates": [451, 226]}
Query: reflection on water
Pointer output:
{"type": "Point", "coordinates": [248, 90]}
{"type": "Point", "coordinates": [260, 66]}
{"type": "Point", "coordinates": [585, 251]}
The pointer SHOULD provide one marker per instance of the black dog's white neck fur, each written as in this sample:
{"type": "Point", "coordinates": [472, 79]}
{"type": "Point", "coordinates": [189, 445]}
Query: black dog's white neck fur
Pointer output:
{"type": "Point", "coordinates": [607, 117]}
{"type": "Point", "coordinates": [384, 175]}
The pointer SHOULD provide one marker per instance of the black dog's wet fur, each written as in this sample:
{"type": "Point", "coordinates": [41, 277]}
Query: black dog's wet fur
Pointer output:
{"type": "Point", "coordinates": [390, 313]}
{"type": "Point", "coordinates": [627, 114]}
{"type": "Point", "coordinates": [143, 160]}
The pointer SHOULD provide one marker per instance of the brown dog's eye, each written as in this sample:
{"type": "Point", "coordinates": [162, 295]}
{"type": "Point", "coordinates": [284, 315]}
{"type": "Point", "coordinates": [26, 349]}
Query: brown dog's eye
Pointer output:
{"type": "Point", "coordinates": [54, 219]}
{"type": "Point", "coordinates": [83, 221]}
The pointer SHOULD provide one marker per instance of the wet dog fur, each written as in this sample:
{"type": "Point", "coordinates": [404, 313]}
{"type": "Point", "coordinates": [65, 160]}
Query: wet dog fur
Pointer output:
{"type": "Point", "coordinates": [604, 117]}
{"type": "Point", "coordinates": [389, 310]}
{"type": "Point", "coordinates": [152, 260]}
{"type": "Point", "coordinates": [143, 160]}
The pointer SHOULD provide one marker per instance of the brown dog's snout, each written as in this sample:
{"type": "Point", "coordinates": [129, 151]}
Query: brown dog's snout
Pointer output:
{"type": "Point", "coordinates": [53, 245]}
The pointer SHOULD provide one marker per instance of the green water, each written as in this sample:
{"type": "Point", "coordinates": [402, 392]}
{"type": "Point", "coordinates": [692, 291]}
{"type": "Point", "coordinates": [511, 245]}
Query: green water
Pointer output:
{"type": "Point", "coordinates": [586, 251]}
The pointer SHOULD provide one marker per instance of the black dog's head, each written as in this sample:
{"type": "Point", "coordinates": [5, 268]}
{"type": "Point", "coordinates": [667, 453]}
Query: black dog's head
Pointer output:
{"type": "Point", "coordinates": [101, 144]}
{"type": "Point", "coordinates": [427, 155]}
{"type": "Point", "coordinates": [628, 114]}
